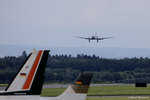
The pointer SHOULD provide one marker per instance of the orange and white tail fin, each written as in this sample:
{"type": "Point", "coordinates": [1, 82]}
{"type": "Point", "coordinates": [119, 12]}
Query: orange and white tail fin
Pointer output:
{"type": "Point", "coordinates": [29, 79]}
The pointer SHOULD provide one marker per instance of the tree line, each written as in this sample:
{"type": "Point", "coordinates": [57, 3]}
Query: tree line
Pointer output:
{"type": "Point", "coordinates": [65, 68]}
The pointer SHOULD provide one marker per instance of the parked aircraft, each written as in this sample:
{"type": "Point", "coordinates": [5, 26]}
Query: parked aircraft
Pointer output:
{"type": "Point", "coordinates": [94, 37]}
{"type": "Point", "coordinates": [77, 90]}
{"type": "Point", "coordinates": [27, 83]}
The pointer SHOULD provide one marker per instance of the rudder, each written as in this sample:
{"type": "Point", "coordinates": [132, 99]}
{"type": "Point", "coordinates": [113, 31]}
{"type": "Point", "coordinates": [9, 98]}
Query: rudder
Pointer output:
{"type": "Point", "coordinates": [29, 79]}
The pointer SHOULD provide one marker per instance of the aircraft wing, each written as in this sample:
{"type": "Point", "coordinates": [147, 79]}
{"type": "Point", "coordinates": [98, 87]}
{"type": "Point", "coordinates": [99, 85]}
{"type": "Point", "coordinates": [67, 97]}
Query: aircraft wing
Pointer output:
{"type": "Point", "coordinates": [104, 38]}
{"type": "Point", "coordinates": [81, 37]}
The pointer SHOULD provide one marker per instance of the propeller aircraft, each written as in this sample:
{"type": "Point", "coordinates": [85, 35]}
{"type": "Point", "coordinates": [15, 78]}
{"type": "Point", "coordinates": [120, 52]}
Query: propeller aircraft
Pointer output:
{"type": "Point", "coordinates": [94, 37]}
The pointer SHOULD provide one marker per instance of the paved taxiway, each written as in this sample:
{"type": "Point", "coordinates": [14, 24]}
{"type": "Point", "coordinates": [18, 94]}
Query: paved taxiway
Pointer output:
{"type": "Point", "coordinates": [66, 85]}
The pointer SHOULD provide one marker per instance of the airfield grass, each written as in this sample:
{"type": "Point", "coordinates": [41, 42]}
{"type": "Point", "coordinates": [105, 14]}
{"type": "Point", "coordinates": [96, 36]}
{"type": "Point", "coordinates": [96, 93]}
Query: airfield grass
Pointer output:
{"type": "Point", "coordinates": [119, 98]}
{"type": "Point", "coordinates": [118, 90]}
{"type": "Point", "coordinates": [3, 84]}
{"type": "Point", "coordinates": [52, 92]}
{"type": "Point", "coordinates": [104, 91]}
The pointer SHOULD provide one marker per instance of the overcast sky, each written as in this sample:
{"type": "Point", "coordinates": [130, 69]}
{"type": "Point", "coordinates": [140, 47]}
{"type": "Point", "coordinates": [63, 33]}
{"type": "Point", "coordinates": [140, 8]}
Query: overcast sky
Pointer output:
{"type": "Point", "coordinates": [54, 23]}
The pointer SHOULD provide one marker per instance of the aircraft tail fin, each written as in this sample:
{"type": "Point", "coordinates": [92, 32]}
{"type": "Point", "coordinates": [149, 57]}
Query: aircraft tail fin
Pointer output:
{"type": "Point", "coordinates": [78, 89]}
{"type": "Point", "coordinates": [29, 79]}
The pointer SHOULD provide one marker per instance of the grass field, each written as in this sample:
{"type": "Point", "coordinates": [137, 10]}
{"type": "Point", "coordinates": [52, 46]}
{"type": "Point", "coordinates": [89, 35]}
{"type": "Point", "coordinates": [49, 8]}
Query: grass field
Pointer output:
{"type": "Point", "coordinates": [52, 91]}
{"type": "Point", "coordinates": [104, 90]}
{"type": "Point", "coordinates": [107, 90]}
{"type": "Point", "coordinates": [119, 90]}
{"type": "Point", "coordinates": [119, 98]}
{"type": "Point", "coordinates": [3, 84]}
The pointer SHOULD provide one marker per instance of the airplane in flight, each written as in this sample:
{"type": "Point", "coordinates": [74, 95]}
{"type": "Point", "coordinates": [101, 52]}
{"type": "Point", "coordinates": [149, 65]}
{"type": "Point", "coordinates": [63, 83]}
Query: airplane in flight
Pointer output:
{"type": "Point", "coordinates": [27, 83]}
{"type": "Point", "coordinates": [94, 37]}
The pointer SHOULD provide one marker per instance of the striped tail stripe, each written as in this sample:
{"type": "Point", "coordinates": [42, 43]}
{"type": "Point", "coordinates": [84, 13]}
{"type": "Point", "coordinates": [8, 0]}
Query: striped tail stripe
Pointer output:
{"type": "Point", "coordinates": [32, 72]}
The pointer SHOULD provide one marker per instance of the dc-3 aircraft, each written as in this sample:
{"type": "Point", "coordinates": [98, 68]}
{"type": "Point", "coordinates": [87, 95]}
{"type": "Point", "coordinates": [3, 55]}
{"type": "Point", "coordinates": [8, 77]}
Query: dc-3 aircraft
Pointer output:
{"type": "Point", "coordinates": [27, 83]}
{"type": "Point", "coordinates": [94, 37]}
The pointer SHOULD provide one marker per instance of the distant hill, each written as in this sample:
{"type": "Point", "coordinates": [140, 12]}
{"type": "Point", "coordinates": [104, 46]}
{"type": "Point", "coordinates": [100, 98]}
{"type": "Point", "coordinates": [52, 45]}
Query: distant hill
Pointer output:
{"type": "Point", "coordinates": [105, 52]}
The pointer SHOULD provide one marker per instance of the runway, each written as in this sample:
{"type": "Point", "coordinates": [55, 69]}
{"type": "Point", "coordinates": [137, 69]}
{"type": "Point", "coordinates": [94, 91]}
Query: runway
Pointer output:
{"type": "Point", "coordinates": [66, 85]}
